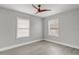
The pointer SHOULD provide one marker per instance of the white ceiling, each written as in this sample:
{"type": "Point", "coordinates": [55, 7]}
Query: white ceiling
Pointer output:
{"type": "Point", "coordinates": [27, 8]}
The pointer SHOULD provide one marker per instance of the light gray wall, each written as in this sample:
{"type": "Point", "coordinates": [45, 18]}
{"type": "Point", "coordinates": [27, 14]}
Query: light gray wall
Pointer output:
{"type": "Point", "coordinates": [68, 23]}
{"type": "Point", "coordinates": [69, 28]}
{"type": "Point", "coordinates": [8, 20]}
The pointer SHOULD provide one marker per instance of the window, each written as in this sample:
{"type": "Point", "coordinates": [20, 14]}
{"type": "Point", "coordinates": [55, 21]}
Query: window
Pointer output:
{"type": "Point", "coordinates": [22, 27]}
{"type": "Point", "coordinates": [53, 27]}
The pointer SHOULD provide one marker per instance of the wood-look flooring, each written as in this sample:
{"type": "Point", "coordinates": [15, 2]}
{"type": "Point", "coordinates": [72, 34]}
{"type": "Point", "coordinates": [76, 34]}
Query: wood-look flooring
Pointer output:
{"type": "Point", "coordinates": [42, 48]}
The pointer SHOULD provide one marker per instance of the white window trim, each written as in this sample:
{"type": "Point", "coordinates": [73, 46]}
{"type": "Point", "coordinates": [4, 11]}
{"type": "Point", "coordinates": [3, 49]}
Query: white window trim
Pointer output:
{"type": "Point", "coordinates": [20, 29]}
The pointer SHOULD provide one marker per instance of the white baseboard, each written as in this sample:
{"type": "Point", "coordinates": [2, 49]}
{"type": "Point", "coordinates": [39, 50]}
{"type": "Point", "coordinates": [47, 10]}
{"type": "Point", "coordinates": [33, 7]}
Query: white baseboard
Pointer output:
{"type": "Point", "coordinates": [73, 46]}
{"type": "Point", "coordinates": [18, 45]}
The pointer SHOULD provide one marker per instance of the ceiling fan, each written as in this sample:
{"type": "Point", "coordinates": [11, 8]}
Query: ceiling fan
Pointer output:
{"type": "Point", "coordinates": [39, 10]}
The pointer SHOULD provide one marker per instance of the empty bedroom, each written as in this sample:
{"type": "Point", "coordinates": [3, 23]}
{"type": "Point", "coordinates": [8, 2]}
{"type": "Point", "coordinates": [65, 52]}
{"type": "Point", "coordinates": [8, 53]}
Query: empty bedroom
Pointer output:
{"type": "Point", "coordinates": [39, 29]}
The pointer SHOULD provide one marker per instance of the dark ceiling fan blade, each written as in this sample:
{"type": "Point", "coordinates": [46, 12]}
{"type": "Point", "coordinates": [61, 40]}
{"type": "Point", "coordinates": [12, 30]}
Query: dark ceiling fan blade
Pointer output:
{"type": "Point", "coordinates": [34, 6]}
{"type": "Point", "coordinates": [45, 10]}
{"type": "Point", "coordinates": [42, 11]}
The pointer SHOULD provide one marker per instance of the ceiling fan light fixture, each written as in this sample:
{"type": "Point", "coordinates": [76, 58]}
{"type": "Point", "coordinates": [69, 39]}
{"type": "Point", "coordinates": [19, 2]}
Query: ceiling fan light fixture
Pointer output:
{"type": "Point", "coordinates": [39, 9]}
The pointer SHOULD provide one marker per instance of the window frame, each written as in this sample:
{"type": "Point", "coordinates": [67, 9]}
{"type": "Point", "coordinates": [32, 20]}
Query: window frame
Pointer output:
{"type": "Point", "coordinates": [52, 29]}
{"type": "Point", "coordinates": [20, 29]}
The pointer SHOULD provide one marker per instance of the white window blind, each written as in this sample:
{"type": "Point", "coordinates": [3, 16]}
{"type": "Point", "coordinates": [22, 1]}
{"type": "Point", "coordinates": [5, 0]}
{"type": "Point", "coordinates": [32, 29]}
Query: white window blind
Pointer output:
{"type": "Point", "coordinates": [23, 26]}
{"type": "Point", "coordinates": [53, 27]}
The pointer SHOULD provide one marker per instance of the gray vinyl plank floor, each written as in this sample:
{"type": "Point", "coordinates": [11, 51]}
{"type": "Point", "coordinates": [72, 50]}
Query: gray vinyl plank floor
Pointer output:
{"type": "Point", "coordinates": [42, 48]}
